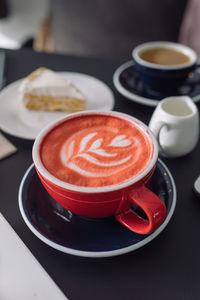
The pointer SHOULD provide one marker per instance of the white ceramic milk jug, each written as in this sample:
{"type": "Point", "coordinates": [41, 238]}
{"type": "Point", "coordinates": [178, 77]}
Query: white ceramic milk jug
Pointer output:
{"type": "Point", "coordinates": [175, 123]}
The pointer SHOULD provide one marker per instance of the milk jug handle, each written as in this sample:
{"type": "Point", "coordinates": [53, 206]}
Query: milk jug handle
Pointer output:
{"type": "Point", "coordinates": [156, 128]}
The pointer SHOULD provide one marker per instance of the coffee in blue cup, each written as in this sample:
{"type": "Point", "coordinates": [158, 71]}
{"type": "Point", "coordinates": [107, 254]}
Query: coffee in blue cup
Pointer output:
{"type": "Point", "coordinates": [164, 66]}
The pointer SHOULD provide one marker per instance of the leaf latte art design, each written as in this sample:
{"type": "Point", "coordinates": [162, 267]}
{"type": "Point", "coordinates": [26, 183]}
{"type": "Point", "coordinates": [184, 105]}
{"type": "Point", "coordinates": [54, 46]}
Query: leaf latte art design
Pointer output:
{"type": "Point", "coordinates": [100, 152]}
{"type": "Point", "coordinates": [96, 150]}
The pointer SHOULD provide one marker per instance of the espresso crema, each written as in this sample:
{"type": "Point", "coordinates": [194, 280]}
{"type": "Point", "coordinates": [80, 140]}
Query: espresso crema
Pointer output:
{"type": "Point", "coordinates": [96, 150]}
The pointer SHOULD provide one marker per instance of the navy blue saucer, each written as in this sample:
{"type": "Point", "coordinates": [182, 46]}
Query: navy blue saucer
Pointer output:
{"type": "Point", "coordinates": [129, 85]}
{"type": "Point", "coordinates": [72, 234]}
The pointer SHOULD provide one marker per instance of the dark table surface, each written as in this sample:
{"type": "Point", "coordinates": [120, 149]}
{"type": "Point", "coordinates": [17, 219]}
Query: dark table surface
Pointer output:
{"type": "Point", "coordinates": [166, 268]}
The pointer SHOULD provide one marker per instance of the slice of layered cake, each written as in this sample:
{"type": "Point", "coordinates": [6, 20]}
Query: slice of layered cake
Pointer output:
{"type": "Point", "coordinates": [47, 90]}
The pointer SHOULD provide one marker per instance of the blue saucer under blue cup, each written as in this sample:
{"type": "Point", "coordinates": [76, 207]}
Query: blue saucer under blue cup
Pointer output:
{"type": "Point", "coordinates": [163, 78]}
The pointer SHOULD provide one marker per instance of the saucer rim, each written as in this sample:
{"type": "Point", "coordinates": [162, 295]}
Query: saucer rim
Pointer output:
{"type": "Point", "coordinates": [132, 96]}
{"type": "Point", "coordinates": [97, 254]}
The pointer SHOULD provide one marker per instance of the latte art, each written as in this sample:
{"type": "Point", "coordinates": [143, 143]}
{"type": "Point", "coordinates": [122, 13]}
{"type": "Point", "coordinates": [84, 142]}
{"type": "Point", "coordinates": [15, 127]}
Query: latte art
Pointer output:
{"type": "Point", "coordinates": [96, 151]}
{"type": "Point", "coordinates": [101, 153]}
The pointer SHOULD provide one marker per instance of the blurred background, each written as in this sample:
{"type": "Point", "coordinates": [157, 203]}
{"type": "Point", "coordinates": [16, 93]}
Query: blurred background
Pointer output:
{"type": "Point", "coordinates": [109, 28]}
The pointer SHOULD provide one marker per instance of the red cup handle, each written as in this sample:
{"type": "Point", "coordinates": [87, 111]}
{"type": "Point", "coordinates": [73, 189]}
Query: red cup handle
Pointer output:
{"type": "Point", "coordinates": [153, 207]}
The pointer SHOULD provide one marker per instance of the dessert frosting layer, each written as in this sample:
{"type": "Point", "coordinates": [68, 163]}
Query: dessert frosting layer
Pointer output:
{"type": "Point", "coordinates": [47, 82]}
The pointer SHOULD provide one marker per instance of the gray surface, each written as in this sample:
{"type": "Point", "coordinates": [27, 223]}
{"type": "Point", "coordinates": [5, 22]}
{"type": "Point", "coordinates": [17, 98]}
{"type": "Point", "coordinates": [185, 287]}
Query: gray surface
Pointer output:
{"type": "Point", "coordinates": [112, 28]}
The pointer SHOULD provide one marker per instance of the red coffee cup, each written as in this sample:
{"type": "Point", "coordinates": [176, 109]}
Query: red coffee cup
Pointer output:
{"type": "Point", "coordinates": [110, 199]}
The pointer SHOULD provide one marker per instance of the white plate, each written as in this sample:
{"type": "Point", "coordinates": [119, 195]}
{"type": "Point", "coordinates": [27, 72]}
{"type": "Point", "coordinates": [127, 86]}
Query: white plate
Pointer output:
{"type": "Point", "coordinates": [22, 277]}
{"type": "Point", "coordinates": [20, 122]}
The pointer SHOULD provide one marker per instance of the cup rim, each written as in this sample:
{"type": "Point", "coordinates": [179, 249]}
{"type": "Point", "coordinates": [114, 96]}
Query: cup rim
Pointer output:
{"type": "Point", "coordinates": [156, 44]}
{"type": "Point", "coordinates": [187, 99]}
{"type": "Point", "coordinates": [51, 178]}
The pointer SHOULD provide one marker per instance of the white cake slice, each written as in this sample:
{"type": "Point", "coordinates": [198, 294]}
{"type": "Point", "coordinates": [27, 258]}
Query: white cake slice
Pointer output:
{"type": "Point", "coordinates": [47, 90]}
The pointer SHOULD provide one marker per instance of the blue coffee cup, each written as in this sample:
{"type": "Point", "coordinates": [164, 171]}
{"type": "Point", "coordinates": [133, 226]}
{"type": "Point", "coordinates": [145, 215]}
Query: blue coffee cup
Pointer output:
{"type": "Point", "coordinates": [163, 76]}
